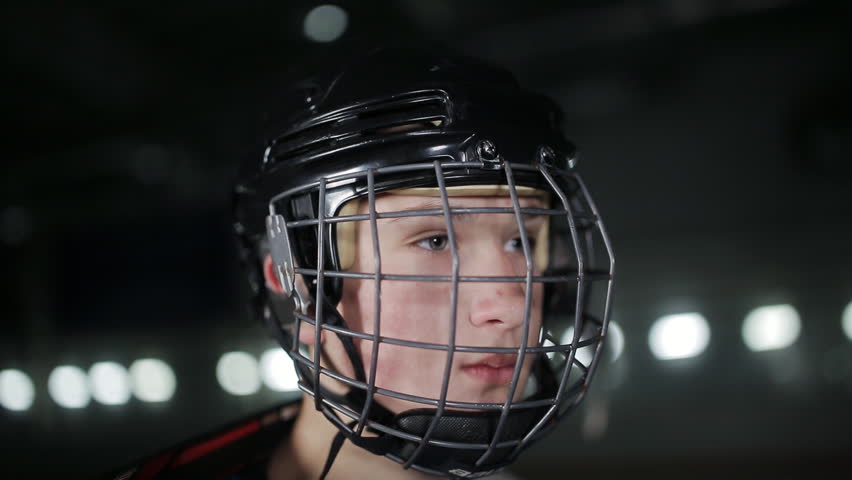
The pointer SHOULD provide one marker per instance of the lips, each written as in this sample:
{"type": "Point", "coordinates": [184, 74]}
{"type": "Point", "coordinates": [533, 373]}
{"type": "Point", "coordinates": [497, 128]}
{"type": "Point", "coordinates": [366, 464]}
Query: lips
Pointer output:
{"type": "Point", "coordinates": [494, 369]}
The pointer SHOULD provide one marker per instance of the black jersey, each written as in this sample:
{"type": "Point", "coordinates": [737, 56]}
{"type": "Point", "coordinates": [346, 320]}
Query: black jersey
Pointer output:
{"type": "Point", "coordinates": [239, 451]}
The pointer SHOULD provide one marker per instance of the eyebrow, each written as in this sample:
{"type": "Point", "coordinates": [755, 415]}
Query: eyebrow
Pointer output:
{"type": "Point", "coordinates": [460, 216]}
{"type": "Point", "coordinates": [428, 205]}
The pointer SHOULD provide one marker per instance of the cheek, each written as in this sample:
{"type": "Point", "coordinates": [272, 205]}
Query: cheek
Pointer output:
{"type": "Point", "coordinates": [417, 311]}
{"type": "Point", "coordinates": [537, 306]}
{"type": "Point", "coordinates": [410, 311]}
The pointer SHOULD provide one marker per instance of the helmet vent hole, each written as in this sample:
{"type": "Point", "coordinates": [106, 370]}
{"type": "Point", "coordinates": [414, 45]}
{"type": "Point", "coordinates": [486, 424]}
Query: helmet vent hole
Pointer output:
{"type": "Point", "coordinates": [417, 111]}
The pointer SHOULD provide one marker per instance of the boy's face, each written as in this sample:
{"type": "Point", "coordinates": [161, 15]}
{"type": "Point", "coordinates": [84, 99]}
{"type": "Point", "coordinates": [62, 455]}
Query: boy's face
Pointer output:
{"type": "Point", "coordinates": [489, 314]}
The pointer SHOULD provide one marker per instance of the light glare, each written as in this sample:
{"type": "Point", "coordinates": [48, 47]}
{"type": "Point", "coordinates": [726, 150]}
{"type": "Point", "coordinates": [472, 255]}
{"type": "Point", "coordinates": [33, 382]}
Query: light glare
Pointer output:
{"type": "Point", "coordinates": [682, 335]}
{"type": "Point", "coordinates": [584, 354]}
{"type": "Point", "coordinates": [237, 373]}
{"type": "Point", "coordinates": [110, 383]}
{"type": "Point", "coordinates": [771, 327]}
{"type": "Point", "coordinates": [847, 321]}
{"type": "Point", "coordinates": [152, 380]}
{"type": "Point", "coordinates": [325, 23]}
{"type": "Point", "coordinates": [68, 387]}
{"type": "Point", "coordinates": [615, 342]}
{"type": "Point", "coordinates": [548, 343]}
{"type": "Point", "coordinates": [16, 390]}
{"type": "Point", "coordinates": [277, 371]}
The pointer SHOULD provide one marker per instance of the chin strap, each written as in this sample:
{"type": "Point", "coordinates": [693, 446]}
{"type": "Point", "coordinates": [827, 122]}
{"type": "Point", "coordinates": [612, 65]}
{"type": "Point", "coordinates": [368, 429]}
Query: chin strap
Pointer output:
{"type": "Point", "coordinates": [339, 438]}
{"type": "Point", "coordinates": [333, 318]}
{"type": "Point", "coordinates": [378, 445]}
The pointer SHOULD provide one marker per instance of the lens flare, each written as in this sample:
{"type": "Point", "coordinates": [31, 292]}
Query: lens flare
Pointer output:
{"type": "Point", "coordinates": [277, 371]}
{"type": "Point", "coordinates": [110, 383]}
{"type": "Point", "coordinates": [682, 335]}
{"type": "Point", "coordinates": [69, 387]}
{"type": "Point", "coordinates": [152, 380]}
{"type": "Point", "coordinates": [615, 341]}
{"type": "Point", "coordinates": [237, 373]}
{"type": "Point", "coordinates": [771, 327]}
{"type": "Point", "coordinates": [325, 23]}
{"type": "Point", "coordinates": [585, 354]}
{"type": "Point", "coordinates": [16, 390]}
{"type": "Point", "coordinates": [847, 321]}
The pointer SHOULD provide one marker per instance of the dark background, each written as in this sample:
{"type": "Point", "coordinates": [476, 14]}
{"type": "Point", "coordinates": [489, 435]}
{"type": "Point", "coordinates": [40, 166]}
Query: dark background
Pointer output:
{"type": "Point", "coordinates": [716, 137]}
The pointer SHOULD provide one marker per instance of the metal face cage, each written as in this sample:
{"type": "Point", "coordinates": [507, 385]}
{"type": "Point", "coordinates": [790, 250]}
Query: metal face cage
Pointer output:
{"type": "Point", "coordinates": [554, 357]}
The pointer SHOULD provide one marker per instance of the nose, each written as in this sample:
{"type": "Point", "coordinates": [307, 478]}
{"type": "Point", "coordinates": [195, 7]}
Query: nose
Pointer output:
{"type": "Point", "coordinates": [495, 304]}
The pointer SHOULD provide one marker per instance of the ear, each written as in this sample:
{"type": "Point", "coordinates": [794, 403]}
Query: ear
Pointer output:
{"type": "Point", "coordinates": [272, 282]}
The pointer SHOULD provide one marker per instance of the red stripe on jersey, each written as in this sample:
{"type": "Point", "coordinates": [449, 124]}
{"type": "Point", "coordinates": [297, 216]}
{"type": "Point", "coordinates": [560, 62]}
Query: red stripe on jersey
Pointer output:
{"type": "Point", "coordinates": [153, 466]}
{"type": "Point", "coordinates": [196, 451]}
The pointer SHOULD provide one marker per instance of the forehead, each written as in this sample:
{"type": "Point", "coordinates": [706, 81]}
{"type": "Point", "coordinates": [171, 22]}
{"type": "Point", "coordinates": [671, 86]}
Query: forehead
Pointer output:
{"type": "Point", "coordinates": [390, 202]}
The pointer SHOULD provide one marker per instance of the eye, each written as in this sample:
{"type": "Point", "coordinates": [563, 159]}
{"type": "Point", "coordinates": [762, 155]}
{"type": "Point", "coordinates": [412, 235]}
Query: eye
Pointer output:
{"type": "Point", "coordinates": [516, 245]}
{"type": "Point", "coordinates": [435, 243]}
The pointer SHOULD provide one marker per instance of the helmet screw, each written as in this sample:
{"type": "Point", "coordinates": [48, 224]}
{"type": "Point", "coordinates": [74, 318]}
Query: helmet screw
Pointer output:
{"type": "Point", "coordinates": [546, 157]}
{"type": "Point", "coordinates": [486, 150]}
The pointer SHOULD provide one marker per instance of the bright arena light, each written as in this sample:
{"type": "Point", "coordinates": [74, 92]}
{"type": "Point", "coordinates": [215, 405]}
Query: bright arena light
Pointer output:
{"type": "Point", "coordinates": [585, 353]}
{"type": "Point", "coordinates": [68, 387]}
{"type": "Point", "coordinates": [847, 320]}
{"type": "Point", "coordinates": [771, 328]}
{"type": "Point", "coordinates": [679, 336]}
{"type": "Point", "coordinates": [16, 390]}
{"type": "Point", "coordinates": [152, 380]}
{"type": "Point", "coordinates": [615, 344]}
{"type": "Point", "coordinates": [277, 371]}
{"type": "Point", "coordinates": [548, 343]}
{"type": "Point", "coordinates": [238, 374]}
{"type": "Point", "coordinates": [110, 383]}
{"type": "Point", "coordinates": [325, 23]}
{"type": "Point", "coordinates": [615, 341]}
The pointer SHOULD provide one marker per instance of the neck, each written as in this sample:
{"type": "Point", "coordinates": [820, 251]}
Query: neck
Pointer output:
{"type": "Point", "coordinates": [303, 455]}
